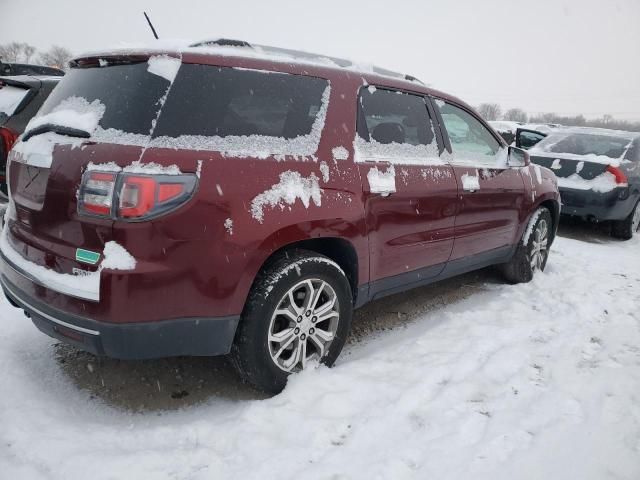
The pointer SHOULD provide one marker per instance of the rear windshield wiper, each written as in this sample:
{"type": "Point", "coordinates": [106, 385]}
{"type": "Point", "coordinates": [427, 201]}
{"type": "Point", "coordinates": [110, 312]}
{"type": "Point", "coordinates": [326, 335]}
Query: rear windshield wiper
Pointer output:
{"type": "Point", "coordinates": [59, 129]}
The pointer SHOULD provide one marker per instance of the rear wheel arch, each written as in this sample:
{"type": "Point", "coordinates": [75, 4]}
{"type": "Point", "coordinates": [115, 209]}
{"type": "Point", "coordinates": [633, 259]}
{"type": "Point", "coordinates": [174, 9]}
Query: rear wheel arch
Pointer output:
{"type": "Point", "coordinates": [337, 249]}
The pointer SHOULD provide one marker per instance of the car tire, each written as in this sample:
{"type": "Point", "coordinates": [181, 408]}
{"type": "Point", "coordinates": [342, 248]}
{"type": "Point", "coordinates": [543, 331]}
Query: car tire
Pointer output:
{"type": "Point", "coordinates": [627, 228]}
{"type": "Point", "coordinates": [532, 250]}
{"type": "Point", "coordinates": [279, 332]}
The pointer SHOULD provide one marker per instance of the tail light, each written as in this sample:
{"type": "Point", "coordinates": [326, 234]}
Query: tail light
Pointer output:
{"type": "Point", "coordinates": [7, 139]}
{"type": "Point", "coordinates": [133, 197]}
{"type": "Point", "coordinates": [621, 178]}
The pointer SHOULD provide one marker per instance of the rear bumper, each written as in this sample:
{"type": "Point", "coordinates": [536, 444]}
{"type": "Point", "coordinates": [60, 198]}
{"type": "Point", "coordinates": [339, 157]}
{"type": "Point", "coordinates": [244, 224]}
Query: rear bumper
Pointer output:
{"type": "Point", "coordinates": [614, 205]}
{"type": "Point", "coordinates": [128, 341]}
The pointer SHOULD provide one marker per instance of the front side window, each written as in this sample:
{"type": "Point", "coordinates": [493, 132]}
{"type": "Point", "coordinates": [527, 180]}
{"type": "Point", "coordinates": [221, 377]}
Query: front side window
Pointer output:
{"type": "Point", "coordinates": [394, 126]}
{"type": "Point", "coordinates": [471, 141]}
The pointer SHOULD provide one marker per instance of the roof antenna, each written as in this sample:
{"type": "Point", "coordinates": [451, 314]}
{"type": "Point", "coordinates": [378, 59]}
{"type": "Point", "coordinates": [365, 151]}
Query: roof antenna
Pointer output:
{"type": "Point", "coordinates": [150, 25]}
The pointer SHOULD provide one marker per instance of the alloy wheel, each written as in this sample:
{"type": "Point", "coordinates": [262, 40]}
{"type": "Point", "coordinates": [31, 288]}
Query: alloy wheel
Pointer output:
{"type": "Point", "coordinates": [540, 245]}
{"type": "Point", "coordinates": [303, 325]}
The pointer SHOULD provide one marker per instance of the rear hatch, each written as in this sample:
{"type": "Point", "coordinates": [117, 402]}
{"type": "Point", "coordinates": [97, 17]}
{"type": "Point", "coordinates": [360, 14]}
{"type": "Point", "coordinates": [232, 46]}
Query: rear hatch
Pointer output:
{"type": "Point", "coordinates": [101, 112]}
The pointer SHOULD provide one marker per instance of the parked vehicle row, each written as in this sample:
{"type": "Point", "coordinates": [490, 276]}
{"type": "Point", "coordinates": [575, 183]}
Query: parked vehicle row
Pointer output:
{"type": "Point", "coordinates": [598, 173]}
{"type": "Point", "coordinates": [130, 235]}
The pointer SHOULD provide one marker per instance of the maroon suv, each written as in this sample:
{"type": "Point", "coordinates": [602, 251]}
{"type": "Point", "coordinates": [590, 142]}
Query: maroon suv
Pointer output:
{"type": "Point", "coordinates": [239, 199]}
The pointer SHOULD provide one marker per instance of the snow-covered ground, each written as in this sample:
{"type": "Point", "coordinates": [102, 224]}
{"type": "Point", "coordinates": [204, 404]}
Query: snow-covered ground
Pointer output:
{"type": "Point", "coordinates": [536, 381]}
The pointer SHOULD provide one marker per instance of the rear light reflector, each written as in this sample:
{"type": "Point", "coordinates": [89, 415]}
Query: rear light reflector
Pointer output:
{"type": "Point", "coordinates": [621, 178]}
{"type": "Point", "coordinates": [133, 196]}
{"type": "Point", "coordinates": [96, 193]}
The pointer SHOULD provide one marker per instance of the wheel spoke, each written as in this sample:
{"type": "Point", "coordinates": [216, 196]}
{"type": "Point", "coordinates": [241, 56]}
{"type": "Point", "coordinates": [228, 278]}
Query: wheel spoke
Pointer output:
{"type": "Point", "coordinates": [284, 346]}
{"type": "Point", "coordinates": [323, 335]}
{"type": "Point", "coordinates": [316, 297]}
{"type": "Point", "coordinates": [318, 343]}
{"type": "Point", "coordinates": [293, 360]}
{"type": "Point", "coordinates": [326, 307]}
{"type": "Point", "coordinates": [303, 353]}
{"type": "Point", "coordinates": [294, 305]}
{"type": "Point", "coordinates": [287, 313]}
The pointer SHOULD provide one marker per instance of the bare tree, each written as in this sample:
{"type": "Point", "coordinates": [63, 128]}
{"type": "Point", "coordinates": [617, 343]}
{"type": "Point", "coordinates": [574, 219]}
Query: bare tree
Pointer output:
{"type": "Point", "coordinates": [17, 52]}
{"type": "Point", "coordinates": [515, 115]}
{"type": "Point", "coordinates": [490, 111]}
{"type": "Point", "coordinates": [56, 56]}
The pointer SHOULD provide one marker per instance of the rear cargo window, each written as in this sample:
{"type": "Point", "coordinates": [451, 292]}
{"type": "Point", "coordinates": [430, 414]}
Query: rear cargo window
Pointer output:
{"type": "Point", "coordinates": [10, 99]}
{"type": "Point", "coordinates": [129, 93]}
{"type": "Point", "coordinates": [223, 102]}
{"type": "Point", "coordinates": [585, 144]}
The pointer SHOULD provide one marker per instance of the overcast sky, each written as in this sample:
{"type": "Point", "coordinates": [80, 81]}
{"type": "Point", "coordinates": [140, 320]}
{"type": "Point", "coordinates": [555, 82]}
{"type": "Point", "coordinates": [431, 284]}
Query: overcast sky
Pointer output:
{"type": "Point", "coordinates": [563, 56]}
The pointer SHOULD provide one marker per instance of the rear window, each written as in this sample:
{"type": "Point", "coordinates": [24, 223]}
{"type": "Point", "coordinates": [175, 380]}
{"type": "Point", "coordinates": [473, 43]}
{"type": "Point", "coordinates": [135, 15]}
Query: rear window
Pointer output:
{"type": "Point", "coordinates": [222, 102]}
{"type": "Point", "coordinates": [584, 144]}
{"type": "Point", "coordinates": [128, 92]}
{"type": "Point", "coordinates": [10, 98]}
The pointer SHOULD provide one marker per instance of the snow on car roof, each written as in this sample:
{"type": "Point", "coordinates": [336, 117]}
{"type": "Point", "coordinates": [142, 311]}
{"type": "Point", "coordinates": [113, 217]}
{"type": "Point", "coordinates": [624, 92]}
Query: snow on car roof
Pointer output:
{"type": "Point", "coordinates": [234, 48]}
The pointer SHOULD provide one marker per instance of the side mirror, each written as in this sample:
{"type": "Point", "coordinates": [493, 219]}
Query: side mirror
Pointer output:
{"type": "Point", "coordinates": [528, 138]}
{"type": "Point", "coordinates": [517, 157]}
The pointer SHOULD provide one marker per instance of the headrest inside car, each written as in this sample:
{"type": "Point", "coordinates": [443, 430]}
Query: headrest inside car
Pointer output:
{"type": "Point", "coordinates": [388, 132]}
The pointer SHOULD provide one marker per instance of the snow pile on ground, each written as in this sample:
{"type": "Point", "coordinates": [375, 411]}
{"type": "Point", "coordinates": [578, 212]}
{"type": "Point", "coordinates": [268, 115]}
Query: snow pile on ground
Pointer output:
{"type": "Point", "coordinates": [292, 186]}
{"type": "Point", "coordinates": [536, 381]}
{"type": "Point", "coordinates": [165, 66]}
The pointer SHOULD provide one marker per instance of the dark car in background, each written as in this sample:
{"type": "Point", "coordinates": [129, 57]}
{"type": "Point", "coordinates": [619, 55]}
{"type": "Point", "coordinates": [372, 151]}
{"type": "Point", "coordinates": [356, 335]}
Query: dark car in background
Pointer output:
{"type": "Point", "coordinates": [598, 174]}
{"type": "Point", "coordinates": [20, 99]}
{"type": "Point", "coordinates": [14, 69]}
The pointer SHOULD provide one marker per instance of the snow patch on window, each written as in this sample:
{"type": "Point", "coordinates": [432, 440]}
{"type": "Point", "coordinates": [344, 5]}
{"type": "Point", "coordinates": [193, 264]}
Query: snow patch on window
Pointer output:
{"type": "Point", "coordinates": [579, 167]}
{"type": "Point", "coordinates": [556, 164]}
{"type": "Point", "coordinates": [292, 186]}
{"type": "Point", "coordinates": [382, 182]}
{"type": "Point", "coordinates": [164, 66]}
{"type": "Point", "coordinates": [324, 170]}
{"type": "Point", "coordinates": [601, 184]}
{"type": "Point", "coordinates": [10, 98]}
{"type": "Point", "coordinates": [228, 225]}
{"type": "Point", "coordinates": [371, 89]}
{"type": "Point", "coordinates": [116, 257]}
{"type": "Point", "coordinates": [397, 153]}
{"type": "Point", "coordinates": [72, 112]}
{"type": "Point", "coordinates": [470, 182]}
{"type": "Point", "coordinates": [254, 146]}
{"type": "Point", "coordinates": [340, 153]}
{"type": "Point", "coordinates": [439, 103]}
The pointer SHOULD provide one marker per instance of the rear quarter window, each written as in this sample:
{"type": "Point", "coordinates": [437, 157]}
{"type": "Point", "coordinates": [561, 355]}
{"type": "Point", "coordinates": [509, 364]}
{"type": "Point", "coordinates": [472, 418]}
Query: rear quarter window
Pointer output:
{"type": "Point", "coordinates": [232, 102]}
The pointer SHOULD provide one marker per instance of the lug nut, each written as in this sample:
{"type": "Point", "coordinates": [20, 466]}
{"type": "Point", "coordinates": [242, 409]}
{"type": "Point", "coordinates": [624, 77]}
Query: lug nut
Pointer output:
{"type": "Point", "coordinates": [296, 331]}
{"type": "Point", "coordinates": [303, 336]}
{"type": "Point", "coordinates": [312, 331]}
{"type": "Point", "coordinates": [299, 318]}
{"type": "Point", "coordinates": [308, 313]}
{"type": "Point", "coordinates": [314, 319]}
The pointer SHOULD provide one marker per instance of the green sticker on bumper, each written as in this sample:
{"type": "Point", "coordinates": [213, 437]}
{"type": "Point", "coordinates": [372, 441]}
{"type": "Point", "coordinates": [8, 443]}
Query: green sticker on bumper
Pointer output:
{"type": "Point", "coordinates": [86, 256]}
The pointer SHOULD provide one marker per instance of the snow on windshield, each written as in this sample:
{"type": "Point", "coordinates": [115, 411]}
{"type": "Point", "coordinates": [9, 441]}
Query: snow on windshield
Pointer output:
{"type": "Point", "coordinates": [10, 98]}
{"type": "Point", "coordinates": [165, 66]}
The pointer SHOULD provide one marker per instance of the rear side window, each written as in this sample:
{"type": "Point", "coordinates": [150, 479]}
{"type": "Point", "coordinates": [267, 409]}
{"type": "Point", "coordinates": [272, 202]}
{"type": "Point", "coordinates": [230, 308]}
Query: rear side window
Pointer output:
{"type": "Point", "coordinates": [225, 102]}
{"type": "Point", "coordinates": [394, 126]}
{"type": "Point", "coordinates": [10, 99]}
{"type": "Point", "coordinates": [471, 141]}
